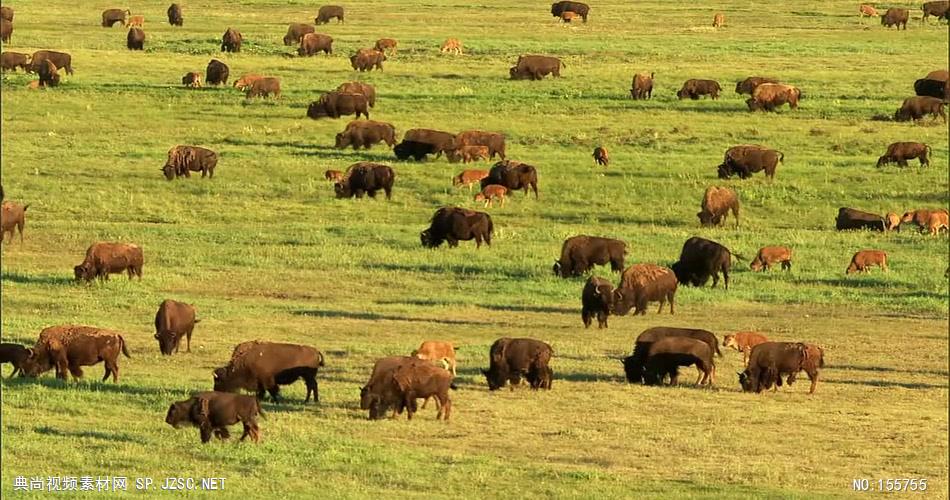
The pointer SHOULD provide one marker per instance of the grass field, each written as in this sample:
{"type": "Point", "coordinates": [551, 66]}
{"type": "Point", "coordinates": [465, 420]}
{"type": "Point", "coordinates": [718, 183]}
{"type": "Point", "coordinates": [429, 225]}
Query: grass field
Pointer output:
{"type": "Point", "coordinates": [264, 250]}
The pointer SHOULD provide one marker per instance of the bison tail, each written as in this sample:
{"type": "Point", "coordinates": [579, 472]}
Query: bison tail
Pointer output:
{"type": "Point", "coordinates": [28, 205]}
{"type": "Point", "coordinates": [197, 321]}
{"type": "Point", "coordinates": [125, 350]}
{"type": "Point", "coordinates": [738, 257]}
{"type": "Point", "coordinates": [781, 157]}
{"type": "Point", "coordinates": [321, 358]}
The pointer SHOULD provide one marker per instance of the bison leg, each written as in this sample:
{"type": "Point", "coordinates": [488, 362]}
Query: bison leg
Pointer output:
{"type": "Point", "coordinates": [586, 318]}
{"type": "Point", "coordinates": [188, 339]}
{"type": "Point", "coordinates": [715, 278]}
{"type": "Point", "coordinates": [311, 380]}
{"type": "Point", "coordinates": [223, 434]}
{"type": "Point", "coordinates": [76, 372]}
{"type": "Point", "coordinates": [274, 391]}
{"type": "Point", "coordinates": [601, 319]}
{"type": "Point", "coordinates": [902, 162]}
{"type": "Point", "coordinates": [813, 376]}
{"type": "Point", "coordinates": [725, 278]}
{"type": "Point", "coordinates": [446, 407]}
{"type": "Point", "coordinates": [670, 298]}
{"type": "Point", "coordinates": [786, 265]}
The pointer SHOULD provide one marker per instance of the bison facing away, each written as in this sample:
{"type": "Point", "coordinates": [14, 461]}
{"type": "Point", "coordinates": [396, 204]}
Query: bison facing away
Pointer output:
{"type": "Point", "coordinates": [717, 202]}
{"type": "Point", "coordinates": [68, 348]}
{"type": "Point", "coordinates": [173, 321]}
{"type": "Point", "coordinates": [453, 224]}
{"type": "Point", "coordinates": [644, 283]}
{"type": "Point", "coordinates": [104, 258]}
{"type": "Point", "coordinates": [580, 253]}
{"type": "Point", "coordinates": [182, 160]}
{"type": "Point", "coordinates": [261, 366]}
{"type": "Point", "coordinates": [365, 178]}
{"type": "Point", "coordinates": [135, 39]}
{"type": "Point", "coordinates": [437, 350]}
{"type": "Point", "coordinates": [174, 15]}
{"type": "Point", "coordinates": [212, 412]}
{"type": "Point", "coordinates": [380, 394]}
{"type": "Point", "coordinates": [900, 152]}
{"type": "Point", "coordinates": [700, 259]}
{"type": "Point", "coordinates": [511, 359]}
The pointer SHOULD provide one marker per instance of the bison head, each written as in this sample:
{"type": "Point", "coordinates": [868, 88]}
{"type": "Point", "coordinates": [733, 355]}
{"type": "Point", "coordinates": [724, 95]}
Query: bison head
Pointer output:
{"type": "Point", "coordinates": [342, 190]}
{"type": "Point", "coordinates": [428, 240]}
{"type": "Point", "coordinates": [178, 413]}
{"type": "Point", "coordinates": [633, 369]}
{"type": "Point", "coordinates": [706, 218]}
{"type": "Point", "coordinates": [756, 265]}
{"type": "Point", "coordinates": [316, 110]}
{"type": "Point", "coordinates": [745, 380]}
{"type": "Point", "coordinates": [883, 160]}
{"type": "Point", "coordinates": [289, 39]}
{"type": "Point", "coordinates": [224, 380]}
{"type": "Point", "coordinates": [681, 93]}
{"type": "Point", "coordinates": [724, 171]}
{"type": "Point", "coordinates": [169, 172]}
{"type": "Point", "coordinates": [35, 364]}
{"type": "Point", "coordinates": [342, 140]}
{"type": "Point", "coordinates": [167, 342]}
{"type": "Point", "coordinates": [513, 73]}
{"type": "Point", "coordinates": [84, 271]}
{"type": "Point", "coordinates": [623, 302]}
{"type": "Point", "coordinates": [753, 104]}
{"type": "Point", "coordinates": [557, 268]}
{"type": "Point", "coordinates": [496, 376]}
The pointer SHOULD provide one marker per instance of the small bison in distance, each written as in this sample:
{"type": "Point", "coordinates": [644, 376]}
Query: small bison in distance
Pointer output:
{"type": "Point", "coordinates": [579, 8]}
{"type": "Point", "coordinates": [938, 9]}
{"type": "Point", "coordinates": [744, 342]}
{"type": "Point", "coordinates": [231, 41]}
{"type": "Point", "coordinates": [10, 61]}
{"type": "Point", "coordinates": [719, 20]}
{"type": "Point", "coordinates": [601, 157]}
{"type": "Point", "coordinates": [771, 96]}
{"type": "Point", "coordinates": [700, 259]}
{"type": "Point", "coordinates": [667, 354]}
{"type": "Point", "coordinates": [535, 67]}
{"type": "Point", "coordinates": [296, 31]}
{"type": "Point", "coordinates": [217, 73]}
{"type": "Point", "coordinates": [514, 175]}
{"type": "Point", "coordinates": [633, 365]}
{"type": "Point", "coordinates": [900, 152]}
{"type": "Point", "coordinates": [454, 224]}
{"type": "Point", "coordinates": [311, 43]}
{"type": "Point", "coordinates": [337, 104]}
{"type": "Point", "coordinates": [864, 259]}
{"type": "Point", "coordinates": [182, 160]}
{"type": "Point", "coordinates": [386, 44]}
{"type": "Point", "coordinates": [260, 366]}
{"type": "Point", "coordinates": [15, 354]}
{"type": "Point", "coordinates": [717, 202]}
{"type": "Point", "coordinates": [771, 255]}
{"type": "Point", "coordinates": [12, 218]}
{"type": "Point", "coordinates": [173, 321]}
{"type": "Point", "coordinates": [328, 12]}
{"type": "Point", "coordinates": [597, 299]}
{"type": "Point", "coordinates": [580, 253]}
{"type": "Point", "coordinates": [694, 89]}
{"type": "Point", "coordinates": [174, 15]}
{"type": "Point", "coordinates": [931, 88]}
{"type": "Point", "coordinates": [212, 412]}
{"type": "Point", "coordinates": [644, 283]}
{"type": "Point", "coordinates": [104, 258]}
{"type": "Point", "coordinates": [367, 60]}
{"type": "Point", "coordinates": [642, 86]}
{"type": "Point", "coordinates": [747, 159]}
{"type": "Point", "coordinates": [915, 108]}
{"type": "Point", "coordinates": [866, 10]}
{"type": "Point", "coordinates": [112, 16]}
{"type": "Point", "coordinates": [135, 39]}
{"type": "Point", "coordinates": [68, 348]}
{"type": "Point", "coordinates": [494, 141]}
{"type": "Point", "coordinates": [363, 134]}
{"type": "Point", "coordinates": [192, 80]}
{"type": "Point", "coordinates": [850, 218]}
{"type": "Point", "coordinates": [511, 359]}
{"type": "Point", "coordinates": [895, 17]}
{"type": "Point", "coordinates": [748, 85]}
{"type": "Point", "coordinates": [366, 178]}
{"type": "Point", "coordinates": [451, 45]}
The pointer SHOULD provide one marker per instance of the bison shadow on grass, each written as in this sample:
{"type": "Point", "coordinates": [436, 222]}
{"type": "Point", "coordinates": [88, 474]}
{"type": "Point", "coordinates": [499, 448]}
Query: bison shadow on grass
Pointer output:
{"type": "Point", "coordinates": [385, 317]}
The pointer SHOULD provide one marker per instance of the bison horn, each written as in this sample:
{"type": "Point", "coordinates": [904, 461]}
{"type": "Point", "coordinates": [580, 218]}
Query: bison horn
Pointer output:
{"type": "Point", "coordinates": [215, 374]}
{"type": "Point", "coordinates": [156, 335]}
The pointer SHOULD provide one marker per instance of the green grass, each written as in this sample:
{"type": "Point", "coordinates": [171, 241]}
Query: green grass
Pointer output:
{"type": "Point", "coordinates": [264, 250]}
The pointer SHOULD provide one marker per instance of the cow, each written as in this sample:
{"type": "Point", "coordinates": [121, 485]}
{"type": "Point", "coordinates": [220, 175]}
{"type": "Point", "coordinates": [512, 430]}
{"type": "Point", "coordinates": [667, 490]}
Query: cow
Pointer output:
{"type": "Point", "coordinates": [864, 259]}
{"type": "Point", "coordinates": [666, 355]}
{"type": "Point", "coordinates": [365, 177]}
{"type": "Point", "coordinates": [104, 258]}
{"type": "Point", "coordinates": [311, 43]}
{"type": "Point", "coordinates": [217, 73]}
{"type": "Point", "coordinates": [414, 380]}
{"type": "Point", "coordinates": [719, 20]}
{"type": "Point", "coordinates": [770, 96]}
{"type": "Point", "coordinates": [264, 87]}
{"type": "Point", "coordinates": [469, 178]}
{"type": "Point", "coordinates": [535, 67]}
{"type": "Point", "coordinates": [135, 21]}
{"type": "Point", "coordinates": [15, 354]}
{"type": "Point", "coordinates": [454, 224]}
{"type": "Point", "coordinates": [68, 348]}
{"type": "Point", "coordinates": [694, 88]}
{"type": "Point", "coordinates": [61, 60]}
{"type": "Point", "coordinates": [231, 40]}
{"type": "Point", "coordinates": [642, 86]}
{"type": "Point", "coordinates": [931, 88]}
{"type": "Point", "coordinates": [6, 31]}
{"type": "Point", "coordinates": [744, 342]}
{"type": "Point", "coordinates": [895, 17]}
{"type": "Point", "coordinates": [10, 61]}
{"type": "Point", "coordinates": [261, 366]}
{"type": "Point", "coordinates": [212, 412]}
{"type": "Point", "coordinates": [866, 10]}
{"type": "Point", "coordinates": [633, 365]}
{"type": "Point", "coordinates": [644, 283]}
{"type": "Point", "coordinates": [327, 12]}
{"type": "Point", "coordinates": [6, 13]}
{"type": "Point", "coordinates": [850, 218]}
{"type": "Point", "coordinates": [367, 60]}
{"type": "Point", "coordinates": [135, 39]}
{"type": "Point", "coordinates": [597, 299]}
{"type": "Point", "coordinates": [363, 134]}
{"type": "Point", "coordinates": [437, 350]}
{"type": "Point", "coordinates": [747, 159]}
{"type": "Point", "coordinates": [174, 15]}
{"type": "Point", "coordinates": [514, 175]}
{"type": "Point", "coordinates": [493, 140]}
{"type": "Point", "coordinates": [364, 89]}
{"type": "Point", "coordinates": [452, 45]}
{"type": "Point", "coordinates": [511, 359]}
{"type": "Point", "coordinates": [12, 218]}
{"type": "Point", "coordinates": [717, 202]}
{"type": "Point", "coordinates": [939, 9]}
{"type": "Point", "coordinates": [386, 44]}
{"type": "Point", "coordinates": [492, 192]}
{"type": "Point", "coordinates": [412, 149]}
{"type": "Point", "coordinates": [601, 157]}
{"type": "Point", "coordinates": [568, 16]}
{"type": "Point", "coordinates": [748, 85]}
{"type": "Point", "coordinates": [337, 104]}
{"type": "Point", "coordinates": [580, 253]}
{"type": "Point", "coordinates": [182, 160]}
{"type": "Point", "coordinates": [333, 175]}
{"type": "Point", "coordinates": [770, 361]}
{"type": "Point", "coordinates": [49, 77]}
{"type": "Point", "coordinates": [915, 108]}
{"type": "Point", "coordinates": [892, 221]}
{"type": "Point", "coordinates": [442, 142]}
{"type": "Point", "coordinates": [112, 16]}
{"type": "Point", "coordinates": [900, 152]}
{"type": "Point", "coordinates": [381, 393]}
{"type": "Point", "coordinates": [468, 154]}
{"type": "Point", "coordinates": [770, 255]}
{"type": "Point", "coordinates": [173, 321]}
{"type": "Point", "coordinates": [701, 258]}
{"type": "Point", "coordinates": [581, 9]}
{"type": "Point", "coordinates": [192, 79]}
{"type": "Point", "coordinates": [296, 31]}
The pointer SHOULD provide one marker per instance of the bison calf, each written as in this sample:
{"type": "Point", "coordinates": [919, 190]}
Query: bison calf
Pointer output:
{"type": "Point", "coordinates": [600, 156]}
{"type": "Point", "coordinates": [469, 178]}
{"type": "Point", "coordinates": [744, 342]}
{"type": "Point", "coordinates": [863, 260]}
{"type": "Point", "coordinates": [435, 350]}
{"type": "Point", "coordinates": [12, 217]}
{"type": "Point", "coordinates": [15, 354]}
{"type": "Point", "coordinates": [770, 255]}
{"type": "Point", "coordinates": [212, 412]}
{"type": "Point", "coordinates": [492, 192]}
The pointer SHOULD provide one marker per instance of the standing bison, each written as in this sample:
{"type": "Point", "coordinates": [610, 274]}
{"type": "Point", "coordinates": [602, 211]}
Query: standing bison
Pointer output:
{"type": "Point", "coordinates": [182, 160]}
{"type": "Point", "coordinates": [135, 39]}
{"type": "Point", "coordinates": [770, 361]}
{"type": "Point", "coordinates": [900, 152]}
{"type": "Point", "coordinates": [511, 359]}
{"type": "Point", "coordinates": [6, 30]}
{"type": "Point", "coordinates": [12, 217]}
{"type": "Point", "coordinates": [642, 86]}
{"type": "Point", "coordinates": [311, 43]}
{"type": "Point", "coordinates": [61, 60]}
{"type": "Point", "coordinates": [367, 60]}
{"type": "Point", "coordinates": [895, 17]}
{"type": "Point", "coordinates": [212, 412]}
{"type": "Point", "coordinates": [364, 89]}
{"type": "Point", "coordinates": [260, 366]}
{"type": "Point", "coordinates": [231, 41]}
{"type": "Point", "coordinates": [104, 258]}
{"type": "Point", "coordinates": [633, 365]}
{"type": "Point", "coordinates": [68, 348]}
{"type": "Point", "coordinates": [112, 16]}
{"type": "Point", "coordinates": [749, 85]}
{"type": "Point", "coordinates": [915, 108]}
{"type": "Point", "coordinates": [454, 224]}
{"type": "Point", "coordinates": [363, 134]}
{"type": "Point", "coordinates": [513, 175]}
{"type": "Point", "coordinates": [174, 15]}
{"type": "Point", "coordinates": [217, 73]}
{"type": "Point", "coordinates": [597, 299]}
{"type": "Point", "coordinates": [694, 89]}
{"type": "Point", "coordinates": [327, 12]}
{"type": "Point", "coordinates": [10, 61]}
{"type": "Point", "coordinates": [173, 321]}
{"type": "Point", "coordinates": [535, 68]}
{"type": "Point", "coordinates": [337, 104]}
{"type": "Point", "coordinates": [931, 88]}
{"type": "Point", "coordinates": [770, 96]}
{"type": "Point", "coordinates": [666, 355]}
{"type": "Point", "coordinates": [494, 141]}
{"type": "Point", "coordinates": [700, 259]}
{"type": "Point", "coordinates": [295, 32]}
{"type": "Point", "coordinates": [580, 253]}
{"type": "Point", "coordinates": [717, 202]}
{"type": "Point", "coordinates": [938, 9]}
{"type": "Point", "coordinates": [747, 159]}
{"type": "Point", "coordinates": [579, 8]}
{"type": "Point", "coordinates": [641, 284]}
{"type": "Point", "coordinates": [365, 178]}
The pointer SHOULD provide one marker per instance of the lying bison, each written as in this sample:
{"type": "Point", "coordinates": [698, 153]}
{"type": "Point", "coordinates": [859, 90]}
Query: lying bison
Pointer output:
{"type": "Point", "coordinates": [700, 259]}
{"type": "Point", "coordinates": [850, 218]}
{"type": "Point", "coordinates": [695, 88]}
{"type": "Point", "coordinates": [579, 8]}
{"type": "Point", "coordinates": [173, 321]}
{"type": "Point", "coordinates": [717, 202]}
{"type": "Point", "coordinates": [915, 108]}
{"type": "Point", "coordinates": [260, 366]}
{"type": "Point", "coordinates": [535, 68]}
{"type": "Point", "coordinates": [68, 348]}
{"type": "Point", "coordinates": [212, 412]}
{"type": "Point", "coordinates": [633, 365]}
{"type": "Point", "coordinates": [182, 160]}
{"type": "Point", "coordinates": [104, 258]}
{"type": "Point", "coordinates": [511, 359]}
{"type": "Point", "coordinates": [363, 134]}
{"type": "Point", "coordinates": [644, 283]}
{"type": "Point", "coordinates": [580, 253]}
{"type": "Point", "coordinates": [513, 175]}
{"type": "Point", "coordinates": [747, 159]}
{"type": "Point", "coordinates": [337, 104]}
{"type": "Point", "coordinates": [365, 178]}
{"type": "Point", "coordinates": [900, 152]}
{"type": "Point", "coordinates": [454, 224]}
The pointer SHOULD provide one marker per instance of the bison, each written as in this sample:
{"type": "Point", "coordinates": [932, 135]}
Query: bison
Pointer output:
{"type": "Point", "coordinates": [771, 96]}
{"type": "Point", "coordinates": [667, 354]}
{"type": "Point", "coordinates": [135, 39]}
{"type": "Point", "coordinates": [932, 88]}
{"type": "Point", "coordinates": [939, 9]}
{"type": "Point", "coordinates": [422, 380]}
{"type": "Point", "coordinates": [136, 21]}
{"type": "Point", "coordinates": [381, 393]}
{"type": "Point", "coordinates": [915, 108]}
{"type": "Point", "coordinates": [514, 175]}
{"type": "Point", "coordinates": [413, 149]}
{"type": "Point", "coordinates": [642, 86]}
{"type": "Point", "coordinates": [895, 17]}
{"type": "Point", "coordinates": [769, 361]}
{"type": "Point", "coordinates": [719, 20]}
{"type": "Point", "coordinates": [633, 365]}
{"type": "Point", "coordinates": [597, 299]}
{"type": "Point", "coordinates": [436, 350]}
{"type": "Point", "coordinates": [442, 142]}
{"type": "Point", "coordinates": [747, 159]}
{"type": "Point", "coordinates": [770, 255]}
{"type": "Point", "coordinates": [261, 366]}
{"type": "Point", "coordinates": [173, 321]}
{"type": "Point", "coordinates": [12, 218]}
{"type": "Point", "coordinates": [104, 258]}
{"type": "Point", "coordinates": [6, 13]}
{"type": "Point", "coordinates": [579, 8]}
{"type": "Point", "coordinates": [296, 31]}
{"type": "Point", "coordinates": [701, 258]}
{"type": "Point", "coordinates": [174, 15]}
{"type": "Point", "coordinates": [327, 12]}
{"type": "Point", "coordinates": [112, 16]}
{"type": "Point", "coordinates": [850, 218]}
{"type": "Point", "coordinates": [454, 224]}
{"type": "Point", "coordinates": [10, 61]}
{"type": "Point", "coordinates": [61, 60]}
{"type": "Point", "coordinates": [386, 44]}
{"type": "Point", "coordinates": [864, 259]}
{"type": "Point", "coordinates": [367, 60]}
{"type": "Point", "coordinates": [748, 85]}
{"type": "Point", "coordinates": [452, 45]}
{"type": "Point", "coordinates": [311, 43]}
{"type": "Point", "coordinates": [15, 354]}
{"type": "Point", "coordinates": [217, 73]}
{"type": "Point", "coordinates": [182, 160]}
{"type": "Point", "coordinates": [68, 348]}
{"type": "Point", "coordinates": [580, 253]}
{"type": "Point", "coordinates": [900, 152]}
{"type": "Point", "coordinates": [264, 87]}
{"type": "Point", "coordinates": [866, 10]}
{"type": "Point", "coordinates": [212, 412]}
{"type": "Point", "coordinates": [468, 154]}
{"type": "Point", "coordinates": [337, 104]}
{"type": "Point", "coordinates": [601, 157]}
{"type": "Point", "coordinates": [535, 67]}
{"type": "Point", "coordinates": [744, 342]}
{"type": "Point", "coordinates": [469, 178]}
{"type": "Point", "coordinates": [717, 202]}
{"type": "Point", "coordinates": [49, 77]}
{"type": "Point", "coordinates": [365, 177]}
{"type": "Point", "coordinates": [644, 283]}
{"type": "Point", "coordinates": [6, 31]}
{"type": "Point", "coordinates": [231, 40]}
{"type": "Point", "coordinates": [694, 88]}
{"type": "Point", "coordinates": [511, 359]}
{"type": "Point", "coordinates": [363, 134]}
{"type": "Point", "coordinates": [192, 79]}
{"type": "Point", "coordinates": [492, 192]}
{"type": "Point", "coordinates": [494, 141]}
{"type": "Point", "coordinates": [364, 89]}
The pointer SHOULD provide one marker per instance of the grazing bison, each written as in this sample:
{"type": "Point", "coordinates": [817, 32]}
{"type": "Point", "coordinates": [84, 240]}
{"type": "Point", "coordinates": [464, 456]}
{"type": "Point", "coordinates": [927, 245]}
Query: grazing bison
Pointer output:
{"type": "Point", "coordinates": [412, 149]}
{"type": "Point", "coordinates": [212, 412]}
{"type": "Point", "coordinates": [580, 253]}
{"type": "Point", "coordinates": [296, 31]}
{"type": "Point", "coordinates": [601, 157]}
{"type": "Point", "coordinates": [866, 10]}
{"type": "Point", "coordinates": [105, 258]}
{"type": "Point", "coordinates": [667, 354]}
{"type": "Point", "coordinates": [386, 44]}
{"type": "Point", "coordinates": [112, 16]}
{"type": "Point", "coordinates": [422, 380]}
{"type": "Point", "coordinates": [597, 299]}
{"type": "Point", "coordinates": [642, 86]}
{"type": "Point", "coordinates": [581, 9]}
{"type": "Point", "coordinates": [380, 392]}
{"type": "Point", "coordinates": [744, 342]}
{"type": "Point", "coordinates": [770, 96]}
{"type": "Point", "coordinates": [849, 218]}
{"type": "Point", "coordinates": [61, 60]}
{"type": "Point", "coordinates": [535, 67]}
{"type": "Point", "coordinates": [174, 15]}
{"type": "Point", "coordinates": [915, 108]}
{"type": "Point", "coordinates": [864, 259]}
{"type": "Point", "coordinates": [192, 79]}
{"type": "Point", "coordinates": [644, 283]}
{"type": "Point", "coordinates": [6, 13]}
{"type": "Point", "coordinates": [895, 17]}
{"type": "Point", "coordinates": [135, 39]}
{"type": "Point", "coordinates": [468, 154]}
{"type": "Point", "coordinates": [264, 87]}
{"type": "Point", "coordinates": [514, 175]}
{"type": "Point", "coordinates": [770, 361]}
{"type": "Point", "coordinates": [363, 134]}
{"type": "Point", "coordinates": [717, 202]}
{"type": "Point", "coordinates": [719, 20]}
{"type": "Point", "coordinates": [454, 224]}
{"type": "Point", "coordinates": [900, 152]}
{"type": "Point", "coordinates": [748, 85]}
{"type": "Point", "coordinates": [436, 350]}
{"type": "Point", "coordinates": [364, 89]}
{"type": "Point", "coordinates": [6, 31]}
{"type": "Point", "coordinates": [747, 159]}
{"type": "Point", "coordinates": [231, 41]}
{"type": "Point", "coordinates": [182, 160]}
{"type": "Point", "coordinates": [68, 348]}
{"type": "Point", "coordinates": [217, 73]}
{"type": "Point", "coordinates": [10, 61]}
{"type": "Point", "coordinates": [173, 321]}
{"type": "Point", "coordinates": [931, 88]}
{"type": "Point", "coordinates": [367, 60]}
{"type": "Point", "coordinates": [770, 255]}
{"type": "Point", "coordinates": [939, 9]}
{"type": "Point", "coordinates": [337, 104]}
{"type": "Point", "coordinates": [15, 354]}
{"type": "Point", "coordinates": [511, 359]}
{"type": "Point", "coordinates": [694, 88]}
{"type": "Point", "coordinates": [261, 366]}
{"type": "Point", "coordinates": [700, 259]}
{"type": "Point", "coordinates": [311, 43]}
{"type": "Point", "coordinates": [493, 140]}
{"type": "Point", "coordinates": [452, 45]}
{"type": "Point", "coordinates": [49, 77]}
{"type": "Point", "coordinates": [12, 217]}
{"type": "Point", "coordinates": [633, 365]}
{"type": "Point", "coordinates": [442, 142]}
{"type": "Point", "coordinates": [469, 178]}
{"type": "Point", "coordinates": [328, 12]}
{"type": "Point", "coordinates": [492, 192]}
{"type": "Point", "coordinates": [365, 177]}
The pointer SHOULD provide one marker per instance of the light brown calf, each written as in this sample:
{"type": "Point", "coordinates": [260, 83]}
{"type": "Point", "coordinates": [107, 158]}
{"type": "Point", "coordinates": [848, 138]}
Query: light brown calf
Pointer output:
{"type": "Point", "coordinates": [452, 45]}
{"type": "Point", "coordinates": [891, 221]}
{"type": "Point", "coordinates": [744, 342]}
{"type": "Point", "coordinates": [770, 255]}
{"type": "Point", "coordinates": [387, 44]}
{"type": "Point", "coordinates": [468, 154]}
{"type": "Point", "coordinates": [333, 175]}
{"type": "Point", "coordinates": [136, 21]}
{"type": "Point", "coordinates": [469, 178]}
{"type": "Point", "coordinates": [863, 260]}
{"type": "Point", "coordinates": [921, 217]}
{"type": "Point", "coordinates": [719, 20]}
{"type": "Point", "coordinates": [192, 79]}
{"type": "Point", "coordinates": [246, 81]}
{"type": "Point", "coordinates": [938, 220]}
{"type": "Point", "coordinates": [492, 192]}
{"type": "Point", "coordinates": [867, 11]}
{"type": "Point", "coordinates": [12, 217]}
{"type": "Point", "coordinates": [436, 350]}
{"type": "Point", "coordinates": [568, 16]}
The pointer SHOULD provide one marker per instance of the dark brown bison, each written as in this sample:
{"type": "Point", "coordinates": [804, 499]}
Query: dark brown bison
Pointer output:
{"type": "Point", "coordinates": [10, 61]}
{"type": "Point", "coordinates": [511, 359]}
{"type": "Point", "coordinates": [68, 348]}
{"type": "Point", "coordinates": [365, 177]}
{"type": "Point", "coordinates": [700, 259]}
{"type": "Point", "coordinates": [365, 89]}
{"type": "Point", "coordinates": [260, 366]}
{"type": "Point", "coordinates": [915, 108]}
{"type": "Point", "coordinates": [380, 394]}
{"type": "Point", "coordinates": [535, 67]}
{"type": "Point", "coordinates": [849, 218]}
{"type": "Point", "coordinates": [413, 149]}
{"type": "Point", "coordinates": [62, 60]}
{"type": "Point", "coordinates": [49, 77]}
{"type": "Point", "coordinates": [337, 104]}
{"type": "Point", "coordinates": [173, 321]}
{"type": "Point", "coordinates": [212, 412]}
{"type": "Point", "coordinates": [581, 9]}
{"type": "Point", "coordinates": [494, 141]}
{"type": "Point", "coordinates": [748, 85]}
{"type": "Point", "coordinates": [513, 175]}
{"type": "Point", "coordinates": [939, 9]}
{"type": "Point", "coordinates": [694, 89]}
{"type": "Point", "coordinates": [453, 224]}
{"type": "Point", "coordinates": [105, 258]}
{"type": "Point", "coordinates": [231, 40]}
{"type": "Point", "coordinates": [932, 88]}
{"type": "Point", "coordinates": [311, 43]}
{"type": "Point", "coordinates": [580, 253]}
{"type": "Point", "coordinates": [112, 16]}
{"type": "Point", "coordinates": [667, 354]}
{"type": "Point", "coordinates": [442, 142]}
{"type": "Point", "coordinates": [633, 365]}
{"type": "Point", "coordinates": [770, 96]}
{"type": "Point", "coordinates": [174, 15]}
{"type": "Point", "coordinates": [182, 160]}
{"type": "Point", "coordinates": [644, 283]}
{"type": "Point", "coordinates": [6, 31]}
{"type": "Point", "coordinates": [747, 159]}
{"type": "Point", "coordinates": [217, 73]}
{"type": "Point", "coordinates": [135, 40]}
{"type": "Point", "coordinates": [597, 299]}
{"type": "Point", "coordinates": [12, 217]}
{"type": "Point", "coordinates": [296, 31]}
{"type": "Point", "coordinates": [642, 86]}
{"type": "Point", "coordinates": [363, 134]}
{"type": "Point", "coordinates": [423, 380]}
{"type": "Point", "coordinates": [895, 17]}
{"type": "Point", "coordinates": [15, 354]}
{"type": "Point", "coordinates": [264, 87]}
{"type": "Point", "coordinates": [900, 152]}
{"type": "Point", "coordinates": [328, 12]}
{"type": "Point", "coordinates": [770, 361]}
{"type": "Point", "coordinates": [717, 202]}
{"type": "Point", "coordinates": [6, 13]}
{"type": "Point", "coordinates": [601, 156]}
{"type": "Point", "coordinates": [770, 255]}
{"type": "Point", "coordinates": [367, 60]}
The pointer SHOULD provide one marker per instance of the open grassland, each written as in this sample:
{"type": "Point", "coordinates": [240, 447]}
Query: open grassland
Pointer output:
{"type": "Point", "coordinates": [264, 250]}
